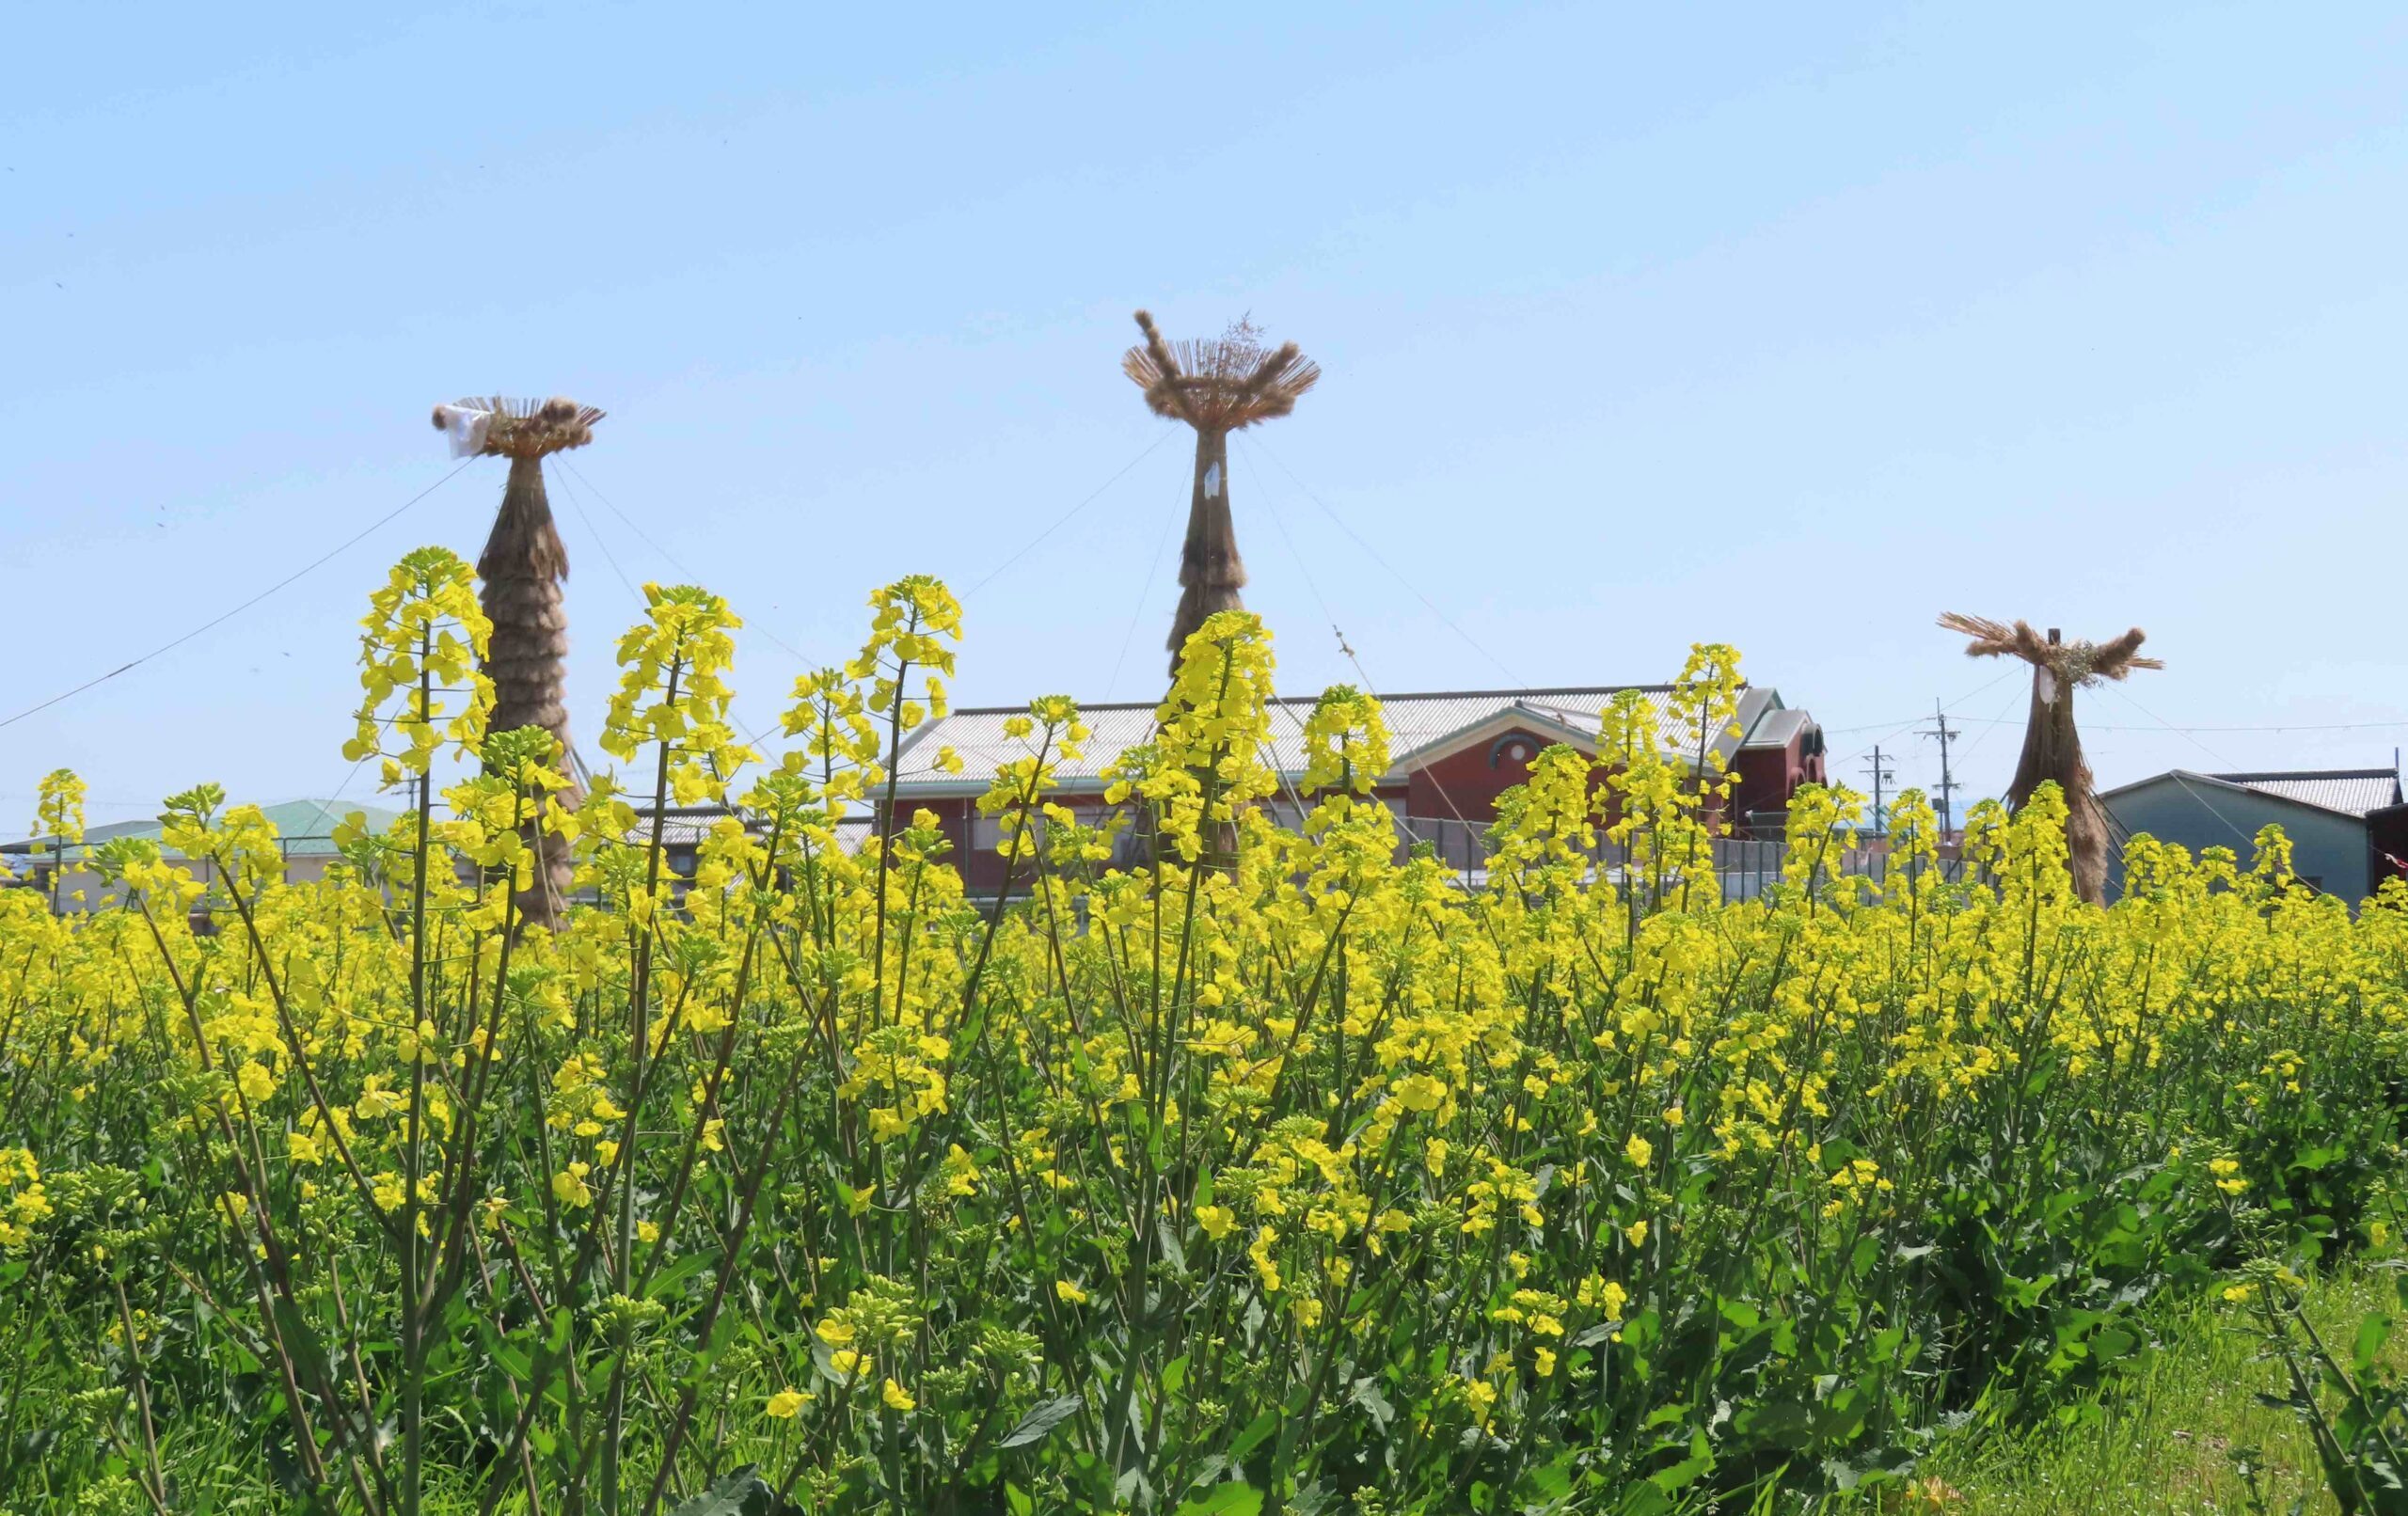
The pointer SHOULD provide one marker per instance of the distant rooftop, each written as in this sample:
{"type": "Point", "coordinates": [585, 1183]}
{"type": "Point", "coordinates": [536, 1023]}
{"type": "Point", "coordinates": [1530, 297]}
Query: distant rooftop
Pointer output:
{"type": "Point", "coordinates": [2350, 791]}
{"type": "Point", "coordinates": [1777, 729]}
{"type": "Point", "coordinates": [691, 826]}
{"type": "Point", "coordinates": [306, 828]}
{"type": "Point", "coordinates": [1421, 726]}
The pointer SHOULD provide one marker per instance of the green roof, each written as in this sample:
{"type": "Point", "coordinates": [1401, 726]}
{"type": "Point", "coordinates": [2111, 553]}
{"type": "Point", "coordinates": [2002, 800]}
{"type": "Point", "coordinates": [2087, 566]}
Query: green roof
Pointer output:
{"type": "Point", "coordinates": [306, 828]}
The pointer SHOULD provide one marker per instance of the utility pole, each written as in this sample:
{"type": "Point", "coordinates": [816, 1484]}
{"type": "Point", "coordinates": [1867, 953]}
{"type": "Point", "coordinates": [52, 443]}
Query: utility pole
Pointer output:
{"type": "Point", "coordinates": [1947, 780]}
{"type": "Point", "coordinates": [1882, 775]}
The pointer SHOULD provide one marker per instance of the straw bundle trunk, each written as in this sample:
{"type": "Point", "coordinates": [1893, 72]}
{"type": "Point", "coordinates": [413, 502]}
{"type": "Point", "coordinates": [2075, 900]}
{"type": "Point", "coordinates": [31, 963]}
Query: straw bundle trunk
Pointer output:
{"type": "Point", "coordinates": [1210, 573]}
{"type": "Point", "coordinates": [2053, 753]}
{"type": "Point", "coordinates": [522, 567]}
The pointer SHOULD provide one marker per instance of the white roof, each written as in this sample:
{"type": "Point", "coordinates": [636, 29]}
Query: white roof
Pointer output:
{"type": "Point", "coordinates": [688, 826]}
{"type": "Point", "coordinates": [1421, 727]}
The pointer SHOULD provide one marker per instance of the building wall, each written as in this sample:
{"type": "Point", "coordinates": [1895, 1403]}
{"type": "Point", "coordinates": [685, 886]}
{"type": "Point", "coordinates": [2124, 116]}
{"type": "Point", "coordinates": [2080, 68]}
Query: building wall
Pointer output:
{"type": "Point", "coordinates": [974, 836]}
{"type": "Point", "coordinates": [1449, 801]}
{"type": "Point", "coordinates": [1469, 781]}
{"type": "Point", "coordinates": [2327, 849]}
{"type": "Point", "coordinates": [1770, 775]}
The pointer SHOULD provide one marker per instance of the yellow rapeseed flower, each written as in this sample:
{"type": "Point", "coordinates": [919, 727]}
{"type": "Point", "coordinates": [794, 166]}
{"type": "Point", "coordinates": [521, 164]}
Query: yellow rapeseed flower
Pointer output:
{"type": "Point", "coordinates": [785, 1404]}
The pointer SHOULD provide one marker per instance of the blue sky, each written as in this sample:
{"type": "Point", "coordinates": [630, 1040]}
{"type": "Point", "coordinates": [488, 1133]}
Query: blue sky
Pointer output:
{"type": "Point", "coordinates": [1787, 326]}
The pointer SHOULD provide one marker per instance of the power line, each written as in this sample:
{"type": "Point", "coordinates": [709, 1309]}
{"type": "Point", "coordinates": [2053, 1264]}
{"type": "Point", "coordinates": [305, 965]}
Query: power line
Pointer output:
{"type": "Point", "coordinates": [1064, 520]}
{"type": "Point", "coordinates": [1031, 545]}
{"type": "Point", "coordinates": [326, 806]}
{"type": "Point", "coordinates": [1947, 776]}
{"type": "Point", "coordinates": [1355, 661]}
{"type": "Point", "coordinates": [2153, 716]}
{"type": "Point", "coordinates": [2246, 840]}
{"type": "Point", "coordinates": [2315, 726]}
{"type": "Point", "coordinates": [608, 557]}
{"type": "Point", "coordinates": [2164, 726]}
{"type": "Point", "coordinates": [1882, 774]}
{"type": "Point", "coordinates": [624, 520]}
{"type": "Point", "coordinates": [1153, 568]}
{"type": "Point", "coordinates": [1987, 726]}
{"type": "Point", "coordinates": [635, 594]}
{"type": "Point", "coordinates": [224, 616]}
{"type": "Point", "coordinates": [1993, 723]}
{"type": "Point", "coordinates": [1900, 729]}
{"type": "Point", "coordinates": [1394, 573]}
{"type": "Point", "coordinates": [670, 559]}
{"type": "Point", "coordinates": [1305, 569]}
{"type": "Point", "coordinates": [805, 659]}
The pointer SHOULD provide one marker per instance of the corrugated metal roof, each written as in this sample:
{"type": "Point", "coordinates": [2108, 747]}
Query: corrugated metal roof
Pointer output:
{"type": "Point", "coordinates": [688, 826]}
{"type": "Point", "coordinates": [683, 826]}
{"type": "Point", "coordinates": [1777, 729]}
{"type": "Point", "coordinates": [2350, 791]}
{"type": "Point", "coordinates": [1420, 727]}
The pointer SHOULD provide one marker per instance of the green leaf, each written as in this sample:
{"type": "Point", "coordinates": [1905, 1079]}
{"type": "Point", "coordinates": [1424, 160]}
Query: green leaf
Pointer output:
{"type": "Point", "coordinates": [1552, 1483]}
{"type": "Point", "coordinates": [1248, 1440]}
{"type": "Point", "coordinates": [1642, 1499]}
{"type": "Point", "coordinates": [1682, 1475]}
{"type": "Point", "coordinates": [1780, 1423]}
{"type": "Point", "coordinates": [2312, 1159]}
{"type": "Point", "coordinates": [1589, 1336]}
{"type": "Point", "coordinates": [2372, 1333]}
{"type": "Point", "coordinates": [513, 1359]}
{"type": "Point", "coordinates": [1042, 1418]}
{"type": "Point", "coordinates": [743, 1492]}
{"type": "Point", "coordinates": [687, 1265]}
{"type": "Point", "coordinates": [300, 1341]}
{"type": "Point", "coordinates": [2113, 1342]}
{"type": "Point", "coordinates": [1225, 1500]}
{"type": "Point", "coordinates": [1367, 1395]}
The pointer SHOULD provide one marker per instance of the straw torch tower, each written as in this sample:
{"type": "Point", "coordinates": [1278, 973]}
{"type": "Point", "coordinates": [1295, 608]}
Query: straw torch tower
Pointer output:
{"type": "Point", "coordinates": [522, 568]}
{"type": "Point", "coordinates": [2051, 745]}
{"type": "Point", "coordinates": [1217, 385]}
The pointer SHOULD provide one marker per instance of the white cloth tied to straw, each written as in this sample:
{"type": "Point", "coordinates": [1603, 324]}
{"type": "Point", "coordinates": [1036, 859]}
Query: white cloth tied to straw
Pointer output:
{"type": "Point", "coordinates": [466, 426]}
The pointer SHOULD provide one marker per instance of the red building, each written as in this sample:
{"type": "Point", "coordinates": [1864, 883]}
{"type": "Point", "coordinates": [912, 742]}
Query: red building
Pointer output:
{"type": "Point", "coordinates": [1452, 754]}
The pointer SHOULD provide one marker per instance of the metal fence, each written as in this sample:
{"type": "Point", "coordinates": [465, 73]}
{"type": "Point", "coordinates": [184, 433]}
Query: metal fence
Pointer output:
{"type": "Point", "coordinates": [1742, 866]}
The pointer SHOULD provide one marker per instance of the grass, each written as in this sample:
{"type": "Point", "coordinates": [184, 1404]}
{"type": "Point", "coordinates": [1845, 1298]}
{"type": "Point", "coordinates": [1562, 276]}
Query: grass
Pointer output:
{"type": "Point", "coordinates": [2161, 1442]}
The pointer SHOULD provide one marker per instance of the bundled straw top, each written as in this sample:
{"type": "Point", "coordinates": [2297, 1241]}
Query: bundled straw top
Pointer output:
{"type": "Point", "coordinates": [505, 428]}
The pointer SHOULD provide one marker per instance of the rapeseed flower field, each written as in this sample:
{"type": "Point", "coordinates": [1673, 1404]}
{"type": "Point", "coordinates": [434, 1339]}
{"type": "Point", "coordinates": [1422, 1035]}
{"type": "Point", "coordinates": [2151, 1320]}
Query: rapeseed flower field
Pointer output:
{"type": "Point", "coordinates": [1287, 1172]}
